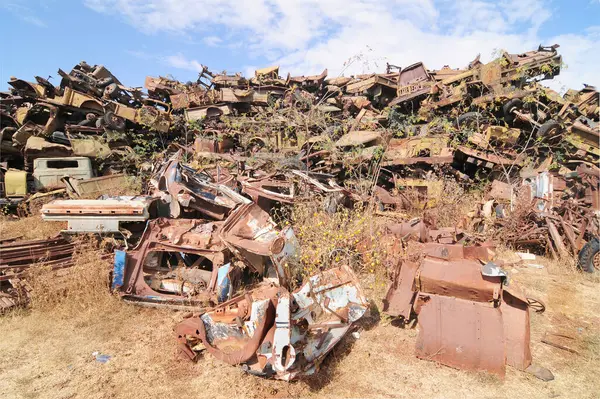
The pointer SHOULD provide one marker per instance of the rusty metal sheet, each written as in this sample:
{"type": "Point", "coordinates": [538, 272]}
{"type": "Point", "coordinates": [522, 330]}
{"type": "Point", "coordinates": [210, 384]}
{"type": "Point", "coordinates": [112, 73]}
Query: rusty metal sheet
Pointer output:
{"type": "Point", "coordinates": [281, 190]}
{"type": "Point", "coordinates": [184, 187]}
{"type": "Point", "coordinates": [486, 159]}
{"type": "Point", "coordinates": [95, 186]}
{"type": "Point", "coordinates": [459, 333]}
{"type": "Point", "coordinates": [515, 317]}
{"type": "Point", "coordinates": [18, 256]}
{"type": "Point", "coordinates": [460, 279]}
{"type": "Point", "coordinates": [98, 216]}
{"type": "Point", "coordinates": [457, 251]}
{"type": "Point", "coordinates": [250, 233]}
{"type": "Point", "coordinates": [401, 294]}
{"type": "Point", "coordinates": [358, 138]}
{"type": "Point", "coordinates": [416, 229]}
{"type": "Point", "coordinates": [22, 254]}
{"type": "Point", "coordinates": [501, 191]}
{"type": "Point", "coordinates": [556, 237]}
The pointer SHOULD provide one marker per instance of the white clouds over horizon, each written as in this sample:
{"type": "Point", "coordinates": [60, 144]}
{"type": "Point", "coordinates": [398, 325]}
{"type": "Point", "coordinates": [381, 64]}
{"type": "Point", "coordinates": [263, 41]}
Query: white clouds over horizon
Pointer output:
{"type": "Point", "coordinates": [307, 36]}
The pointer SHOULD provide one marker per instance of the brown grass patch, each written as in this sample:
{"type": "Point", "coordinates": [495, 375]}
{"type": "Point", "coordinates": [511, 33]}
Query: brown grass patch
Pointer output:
{"type": "Point", "coordinates": [81, 287]}
{"type": "Point", "coordinates": [132, 186]}
{"type": "Point", "coordinates": [29, 228]}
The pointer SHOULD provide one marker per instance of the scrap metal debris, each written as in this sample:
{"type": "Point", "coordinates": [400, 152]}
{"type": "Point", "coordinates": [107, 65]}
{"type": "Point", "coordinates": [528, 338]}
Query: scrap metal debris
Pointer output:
{"type": "Point", "coordinates": [272, 332]}
{"type": "Point", "coordinates": [17, 257]}
{"type": "Point", "coordinates": [219, 158]}
{"type": "Point", "coordinates": [470, 317]}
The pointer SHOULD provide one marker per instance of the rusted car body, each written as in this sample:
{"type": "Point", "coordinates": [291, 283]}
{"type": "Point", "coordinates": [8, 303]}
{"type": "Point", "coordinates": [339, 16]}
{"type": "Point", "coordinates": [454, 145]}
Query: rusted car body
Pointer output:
{"type": "Point", "coordinates": [179, 264]}
{"type": "Point", "coordinates": [272, 332]}
{"type": "Point", "coordinates": [185, 263]}
{"type": "Point", "coordinates": [183, 188]}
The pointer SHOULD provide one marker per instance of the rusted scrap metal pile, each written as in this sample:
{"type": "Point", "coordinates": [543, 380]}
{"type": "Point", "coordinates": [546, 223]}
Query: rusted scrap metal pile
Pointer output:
{"type": "Point", "coordinates": [285, 138]}
{"type": "Point", "coordinates": [16, 257]}
{"type": "Point", "coordinates": [218, 156]}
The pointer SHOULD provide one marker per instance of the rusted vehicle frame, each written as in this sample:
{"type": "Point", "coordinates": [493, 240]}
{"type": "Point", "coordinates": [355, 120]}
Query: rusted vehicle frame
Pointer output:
{"type": "Point", "coordinates": [186, 286]}
{"type": "Point", "coordinates": [16, 257]}
{"type": "Point", "coordinates": [277, 333]}
{"type": "Point", "coordinates": [187, 189]}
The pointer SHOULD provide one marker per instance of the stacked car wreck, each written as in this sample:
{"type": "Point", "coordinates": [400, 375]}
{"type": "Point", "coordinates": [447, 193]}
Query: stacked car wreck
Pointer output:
{"type": "Point", "coordinates": [218, 158]}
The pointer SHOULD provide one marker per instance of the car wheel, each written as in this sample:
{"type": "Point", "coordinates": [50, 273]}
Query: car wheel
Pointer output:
{"type": "Point", "coordinates": [589, 256]}
{"type": "Point", "coordinates": [113, 121]}
{"type": "Point", "coordinates": [111, 91]}
{"type": "Point", "coordinates": [549, 129]}
{"type": "Point", "coordinates": [509, 107]}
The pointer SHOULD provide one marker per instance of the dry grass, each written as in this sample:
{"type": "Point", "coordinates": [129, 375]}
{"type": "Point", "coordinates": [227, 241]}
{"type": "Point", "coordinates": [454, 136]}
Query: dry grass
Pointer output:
{"type": "Point", "coordinates": [31, 228]}
{"type": "Point", "coordinates": [448, 209]}
{"type": "Point", "coordinates": [131, 186]}
{"type": "Point", "coordinates": [348, 237]}
{"type": "Point", "coordinates": [46, 352]}
{"type": "Point", "coordinates": [75, 289]}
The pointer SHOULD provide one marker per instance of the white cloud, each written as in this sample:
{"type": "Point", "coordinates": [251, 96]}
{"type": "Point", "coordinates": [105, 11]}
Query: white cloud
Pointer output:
{"type": "Point", "coordinates": [306, 36]}
{"type": "Point", "coordinates": [212, 41]}
{"type": "Point", "coordinates": [581, 54]}
{"type": "Point", "coordinates": [181, 62]}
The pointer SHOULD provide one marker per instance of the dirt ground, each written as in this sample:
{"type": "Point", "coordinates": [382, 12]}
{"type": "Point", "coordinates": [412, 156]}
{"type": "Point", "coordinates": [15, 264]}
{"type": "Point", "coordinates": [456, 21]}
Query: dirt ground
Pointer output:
{"type": "Point", "coordinates": [46, 352]}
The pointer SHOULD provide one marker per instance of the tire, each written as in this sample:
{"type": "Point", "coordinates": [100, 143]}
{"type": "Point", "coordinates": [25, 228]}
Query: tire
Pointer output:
{"type": "Point", "coordinates": [88, 121]}
{"type": "Point", "coordinates": [507, 108]}
{"type": "Point", "coordinates": [549, 129]}
{"type": "Point", "coordinates": [469, 118]}
{"type": "Point", "coordinates": [589, 256]}
{"type": "Point", "coordinates": [104, 82]}
{"type": "Point", "coordinates": [113, 121]}
{"type": "Point", "coordinates": [111, 91]}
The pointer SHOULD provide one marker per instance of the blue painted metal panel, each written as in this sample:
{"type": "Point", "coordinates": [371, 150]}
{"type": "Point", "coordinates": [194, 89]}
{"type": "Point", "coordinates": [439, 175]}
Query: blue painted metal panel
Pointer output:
{"type": "Point", "coordinates": [119, 269]}
{"type": "Point", "coordinates": [223, 283]}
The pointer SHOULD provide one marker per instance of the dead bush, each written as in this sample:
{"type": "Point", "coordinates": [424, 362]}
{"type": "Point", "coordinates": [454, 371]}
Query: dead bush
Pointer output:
{"type": "Point", "coordinates": [444, 208]}
{"type": "Point", "coordinates": [350, 237]}
{"type": "Point", "coordinates": [84, 286]}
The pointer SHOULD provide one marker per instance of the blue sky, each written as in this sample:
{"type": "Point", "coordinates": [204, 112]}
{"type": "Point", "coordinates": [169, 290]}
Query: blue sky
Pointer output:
{"type": "Point", "coordinates": [135, 38]}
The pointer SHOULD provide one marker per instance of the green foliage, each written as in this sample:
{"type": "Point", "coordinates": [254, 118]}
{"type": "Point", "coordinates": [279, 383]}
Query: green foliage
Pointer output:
{"type": "Point", "coordinates": [145, 144]}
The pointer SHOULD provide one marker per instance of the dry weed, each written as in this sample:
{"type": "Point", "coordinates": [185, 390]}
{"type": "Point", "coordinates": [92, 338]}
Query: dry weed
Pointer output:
{"type": "Point", "coordinates": [352, 237]}
{"type": "Point", "coordinates": [446, 208]}
{"type": "Point", "coordinates": [84, 286]}
{"type": "Point", "coordinates": [132, 186]}
{"type": "Point", "coordinates": [30, 228]}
